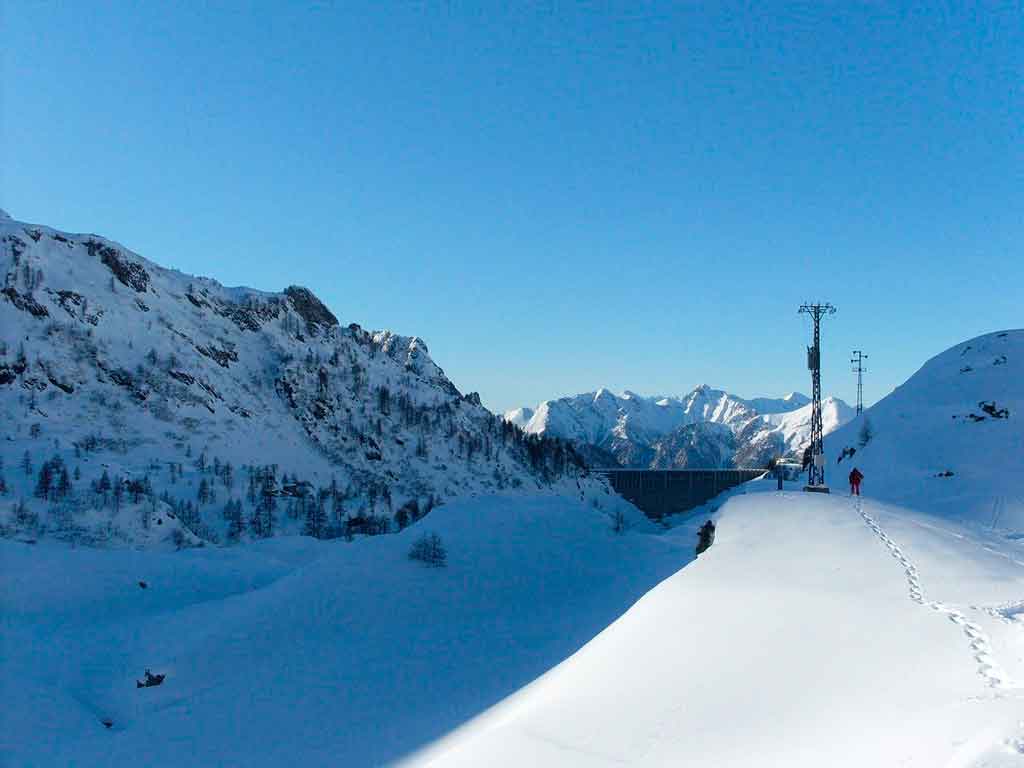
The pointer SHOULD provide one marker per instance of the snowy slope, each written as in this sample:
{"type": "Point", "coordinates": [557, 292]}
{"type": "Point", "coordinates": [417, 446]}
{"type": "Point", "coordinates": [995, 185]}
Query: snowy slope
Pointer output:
{"type": "Point", "coordinates": [812, 633]}
{"type": "Point", "coordinates": [783, 404]}
{"type": "Point", "coordinates": [678, 432]}
{"type": "Point", "coordinates": [937, 423]}
{"type": "Point", "coordinates": [112, 364]}
{"type": "Point", "coordinates": [519, 416]}
{"type": "Point", "coordinates": [293, 651]}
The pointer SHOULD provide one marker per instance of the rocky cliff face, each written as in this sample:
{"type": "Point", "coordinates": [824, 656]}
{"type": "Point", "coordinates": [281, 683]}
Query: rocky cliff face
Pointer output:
{"type": "Point", "coordinates": [119, 367]}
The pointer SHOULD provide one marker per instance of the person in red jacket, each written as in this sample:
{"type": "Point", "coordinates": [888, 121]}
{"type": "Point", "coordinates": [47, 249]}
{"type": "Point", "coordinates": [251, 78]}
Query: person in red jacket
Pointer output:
{"type": "Point", "coordinates": [855, 477]}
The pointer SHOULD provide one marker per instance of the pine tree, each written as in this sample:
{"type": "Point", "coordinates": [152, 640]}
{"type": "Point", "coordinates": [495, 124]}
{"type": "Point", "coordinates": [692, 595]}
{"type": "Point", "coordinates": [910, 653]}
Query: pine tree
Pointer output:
{"type": "Point", "coordinates": [64, 483]}
{"type": "Point", "coordinates": [402, 517]}
{"type": "Point", "coordinates": [26, 464]}
{"type": "Point", "coordinates": [316, 519]}
{"type": "Point", "coordinates": [267, 504]}
{"type": "Point", "coordinates": [103, 487]}
{"type": "Point", "coordinates": [256, 523]}
{"type": "Point", "coordinates": [233, 512]}
{"type": "Point", "coordinates": [44, 482]}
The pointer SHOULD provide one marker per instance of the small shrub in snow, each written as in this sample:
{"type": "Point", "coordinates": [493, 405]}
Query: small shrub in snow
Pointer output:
{"type": "Point", "coordinates": [429, 549]}
{"type": "Point", "coordinates": [619, 521]}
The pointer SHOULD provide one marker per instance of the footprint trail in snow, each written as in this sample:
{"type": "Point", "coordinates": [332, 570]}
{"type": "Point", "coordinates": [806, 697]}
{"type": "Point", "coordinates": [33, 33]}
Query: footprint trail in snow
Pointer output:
{"type": "Point", "coordinates": [981, 647]}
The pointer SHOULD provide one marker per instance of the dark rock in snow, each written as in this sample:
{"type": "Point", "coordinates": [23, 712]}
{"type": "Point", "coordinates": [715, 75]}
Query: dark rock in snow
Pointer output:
{"type": "Point", "coordinates": [150, 680]}
{"type": "Point", "coordinates": [223, 357]}
{"type": "Point", "coordinates": [309, 307]}
{"type": "Point", "coordinates": [25, 302]}
{"type": "Point", "coordinates": [128, 272]}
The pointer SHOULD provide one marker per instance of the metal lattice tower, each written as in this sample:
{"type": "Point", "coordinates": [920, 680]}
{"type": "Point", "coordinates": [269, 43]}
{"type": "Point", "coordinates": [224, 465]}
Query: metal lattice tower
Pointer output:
{"type": "Point", "coordinates": [816, 472]}
{"type": "Point", "coordinates": [858, 368]}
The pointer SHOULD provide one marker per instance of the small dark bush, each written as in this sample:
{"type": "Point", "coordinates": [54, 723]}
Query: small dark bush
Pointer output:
{"type": "Point", "coordinates": [429, 549]}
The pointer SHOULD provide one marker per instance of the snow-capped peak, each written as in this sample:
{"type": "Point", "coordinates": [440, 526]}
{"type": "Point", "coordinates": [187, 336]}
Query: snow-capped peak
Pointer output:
{"type": "Point", "coordinates": [638, 429]}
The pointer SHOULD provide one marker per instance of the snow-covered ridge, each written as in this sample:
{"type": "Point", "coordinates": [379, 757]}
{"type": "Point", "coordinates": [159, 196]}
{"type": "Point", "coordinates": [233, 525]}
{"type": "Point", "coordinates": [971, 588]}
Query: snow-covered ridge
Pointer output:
{"type": "Point", "coordinates": [673, 432]}
{"type": "Point", "coordinates": [113, 364]}
{"type": "Point", "coordinates": [952, 434]}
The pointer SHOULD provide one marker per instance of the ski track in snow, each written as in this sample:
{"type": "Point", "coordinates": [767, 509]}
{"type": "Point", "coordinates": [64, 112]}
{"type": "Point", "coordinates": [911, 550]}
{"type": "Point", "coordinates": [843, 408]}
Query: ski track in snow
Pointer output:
{"type": "Point", "coordinates": [980, 645]}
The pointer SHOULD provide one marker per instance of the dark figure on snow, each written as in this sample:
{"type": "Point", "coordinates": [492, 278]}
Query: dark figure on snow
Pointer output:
{"type": "Point", "coordinates": [855, 477]}
{"type": "Point", "coordinates": [149, 681]}
{"type": "Point", "coordinates": [807, 458]}
{"type": "Point", "coordinates": [705, 536]}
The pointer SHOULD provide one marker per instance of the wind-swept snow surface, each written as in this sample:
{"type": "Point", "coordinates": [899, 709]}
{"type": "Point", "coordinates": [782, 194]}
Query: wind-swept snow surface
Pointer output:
{"type": "Point", "coordinates": [815, 632]}
{"type": "Point", "coordinates": [293, 651]}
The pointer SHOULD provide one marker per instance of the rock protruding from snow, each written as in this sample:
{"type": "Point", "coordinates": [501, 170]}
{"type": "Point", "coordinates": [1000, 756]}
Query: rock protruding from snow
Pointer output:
{"type": "Point", "coordinates": [309, 307]}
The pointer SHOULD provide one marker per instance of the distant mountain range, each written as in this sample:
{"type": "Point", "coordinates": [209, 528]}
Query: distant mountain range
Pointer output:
{"type": "Point", "coordinates": [704, 428]}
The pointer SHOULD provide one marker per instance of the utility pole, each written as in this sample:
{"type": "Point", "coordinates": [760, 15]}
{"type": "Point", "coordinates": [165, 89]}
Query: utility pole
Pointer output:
{"type": "Point", "coordinates": [858, 368]}
{"type": "Point", "coordinates": [816, 471]}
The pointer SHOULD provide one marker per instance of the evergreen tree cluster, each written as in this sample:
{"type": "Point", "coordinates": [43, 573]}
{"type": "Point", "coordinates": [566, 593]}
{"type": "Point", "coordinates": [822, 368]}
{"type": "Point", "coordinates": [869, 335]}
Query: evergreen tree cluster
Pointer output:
{"type": "Point", "coordinates": [53, 482]}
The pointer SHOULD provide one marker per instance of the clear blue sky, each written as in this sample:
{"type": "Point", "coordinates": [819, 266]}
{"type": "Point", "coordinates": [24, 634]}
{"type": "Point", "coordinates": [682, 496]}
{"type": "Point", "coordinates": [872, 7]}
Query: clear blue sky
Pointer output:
{"type": "Point", "coordinates": [555, 199]}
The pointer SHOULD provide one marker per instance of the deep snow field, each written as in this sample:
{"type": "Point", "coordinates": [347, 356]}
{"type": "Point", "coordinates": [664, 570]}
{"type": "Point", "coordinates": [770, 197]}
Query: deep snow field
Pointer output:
{"type": "Point", "coordinates": [814, 632]}
{"type": "Point", "coordinates": [292, 649]}
{"type": "Point", "coordinates": [819, 630]}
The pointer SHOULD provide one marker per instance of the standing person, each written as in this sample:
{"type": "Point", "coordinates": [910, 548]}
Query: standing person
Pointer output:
{"type": "Point", "coordinates": [855, 477]}
{"type": "Point", "coordinates": [706, 536]}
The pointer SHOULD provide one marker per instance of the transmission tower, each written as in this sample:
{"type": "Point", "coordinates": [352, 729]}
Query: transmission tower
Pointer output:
{"type": "Point", "coordinates": [858, 368]}
{"type": "Point", "coordinates": [816, 471]}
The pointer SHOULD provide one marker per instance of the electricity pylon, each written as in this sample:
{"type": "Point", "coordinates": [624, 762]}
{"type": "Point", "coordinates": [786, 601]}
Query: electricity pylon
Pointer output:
{"type": "Point", "coordinates": [858, 368]}
{"type": "Point", "coordinates": [816, 471]}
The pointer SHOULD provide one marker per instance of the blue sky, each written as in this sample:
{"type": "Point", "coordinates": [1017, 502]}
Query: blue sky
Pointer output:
{"type": "Point", "coordinates": [555, 198]}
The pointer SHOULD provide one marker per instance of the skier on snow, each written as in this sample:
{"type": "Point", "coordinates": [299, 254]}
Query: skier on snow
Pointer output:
{"type": "Point", "coordinates": [855, 477]}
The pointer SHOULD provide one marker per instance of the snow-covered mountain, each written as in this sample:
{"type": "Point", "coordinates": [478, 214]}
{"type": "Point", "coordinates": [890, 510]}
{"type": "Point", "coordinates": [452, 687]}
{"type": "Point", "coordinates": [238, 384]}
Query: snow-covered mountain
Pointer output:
{"type": "Point", "coordinates": [148, 396]}
{"type": "Point", "coordinates": [519, 416]}
{"type": "Point", "coordinates": [786, 433]}
{"type": "Point", "coordinates": [874, 634]}
{"type": "Point", "coordinates": [705, 428]}
{"type": "Point", "coordinates": [953, 432]}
